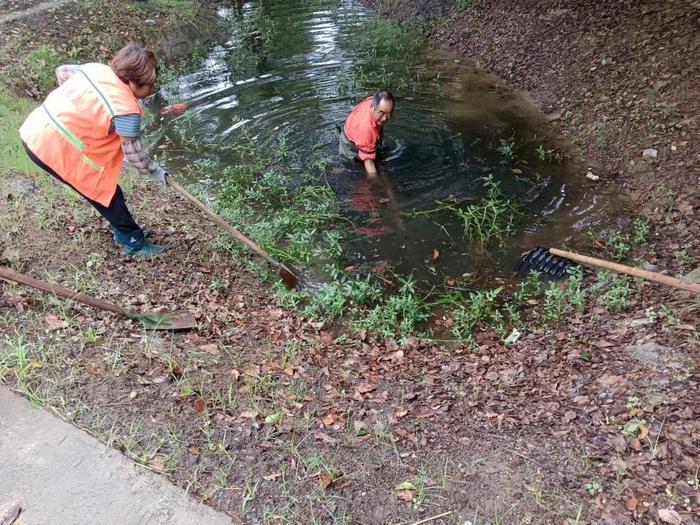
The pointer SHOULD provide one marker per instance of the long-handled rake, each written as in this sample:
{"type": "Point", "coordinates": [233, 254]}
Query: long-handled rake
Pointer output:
{"type": "Point", "coordinates": [555, 264]}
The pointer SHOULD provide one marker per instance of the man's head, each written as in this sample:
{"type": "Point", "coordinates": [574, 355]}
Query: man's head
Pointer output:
{"type": "Point", "coordinates": [382, 107]}
{"type": "Point", "coordinates": [137, 66]}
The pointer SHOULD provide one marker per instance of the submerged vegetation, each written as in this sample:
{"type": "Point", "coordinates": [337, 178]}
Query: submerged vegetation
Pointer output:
{"type": "Point", "coordinates": [384, 56]}
{"type": "Point", "coordinates": [492, 219]}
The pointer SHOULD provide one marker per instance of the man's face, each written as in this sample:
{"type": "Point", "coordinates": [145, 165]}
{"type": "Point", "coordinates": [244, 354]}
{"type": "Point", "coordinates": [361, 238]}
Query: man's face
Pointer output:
{"type": "Point", "coordinates": [382, 113]}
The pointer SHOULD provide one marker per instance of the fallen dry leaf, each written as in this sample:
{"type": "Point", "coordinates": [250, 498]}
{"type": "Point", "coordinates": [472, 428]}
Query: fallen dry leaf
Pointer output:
{"type": "Point", "coordinates": [569, 416]}
{"type": "Point", "coordinates": [670, 516]}
{"type": "Point", "coordinates": [364, 388]}
{"type": "Point", "coordinates": [211, 348]}
{"type": "Point", "coordinates": [157, 462]}
{"type": "Point", "coordinates": [325, 438]}
{"type": "Point", "coordinates": [54, 323]}
{"type": "Point", "coordinates": [199, 405]}
{"type": "Point", "coordinates": [406, 495]}
{"type": "Point", "coordinates": [326, 479]}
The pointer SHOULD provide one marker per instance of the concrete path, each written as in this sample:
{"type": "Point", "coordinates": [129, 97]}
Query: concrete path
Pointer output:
{"type": "Point", "coordinates": [62, 476]}
{"type": "Point", "coordinates": [14, 15]}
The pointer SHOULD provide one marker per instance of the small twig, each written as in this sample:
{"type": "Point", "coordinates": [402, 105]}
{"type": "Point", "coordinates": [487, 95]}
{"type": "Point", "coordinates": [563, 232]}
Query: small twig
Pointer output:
{"type": "Point", "coordinates": [535, 462]}
{"type": "Point", "coordinates": [432, 518]}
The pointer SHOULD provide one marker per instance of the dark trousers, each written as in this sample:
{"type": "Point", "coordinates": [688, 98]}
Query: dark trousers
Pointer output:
{"type": "Point", "coordinates": [117, 214]}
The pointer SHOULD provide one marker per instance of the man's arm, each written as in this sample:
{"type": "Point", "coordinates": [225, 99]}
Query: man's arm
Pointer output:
{"type": "Point", "coordinates": [371, 168]}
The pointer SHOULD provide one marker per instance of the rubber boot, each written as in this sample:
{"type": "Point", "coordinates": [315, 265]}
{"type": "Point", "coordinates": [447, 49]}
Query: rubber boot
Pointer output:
{"type": "Point", "coordinates": [146, 233]}
{"type": "Point", "coordinates": [136, 245]}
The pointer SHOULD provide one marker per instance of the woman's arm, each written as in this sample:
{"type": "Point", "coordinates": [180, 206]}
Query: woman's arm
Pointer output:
{"type": "Point", "coordinates": [141, 160]}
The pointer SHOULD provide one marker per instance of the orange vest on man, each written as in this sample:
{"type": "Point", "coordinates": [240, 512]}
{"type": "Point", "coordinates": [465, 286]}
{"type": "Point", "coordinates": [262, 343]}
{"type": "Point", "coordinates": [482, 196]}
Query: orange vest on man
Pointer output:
{"type": "Point", "coordinates": [71, 131]}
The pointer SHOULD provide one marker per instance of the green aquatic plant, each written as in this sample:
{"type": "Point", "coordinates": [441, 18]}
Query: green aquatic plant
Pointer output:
{"type": "Point", "coordinates": [384, 56]}
{"type": "Point", "coordinates": [507, 148]}
{"type": "Point", "coordinates": [493, 218]}
{"type": "Point", "coordinates": [547, 155]}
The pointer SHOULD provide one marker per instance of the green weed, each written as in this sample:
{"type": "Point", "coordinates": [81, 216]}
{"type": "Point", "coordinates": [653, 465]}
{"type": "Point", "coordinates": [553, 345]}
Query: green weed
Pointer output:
{"type": "Point", "coordinates": [182, 9]}
{"type": "Point", "coordinates": [547, 155]}
{"type": "Point", "coordinates": [616, 296]}
{"type": "Point", "coordinates": [384, 55]}
{"type": "Point", "coordinates": [492, 219]}
{"type": "Point", "coordinates": [480, 307]}
{"type": "Point", "coordinates": [641, 231]}
{"type": "Point", "coordinates": [13, 111]}
{"type": "Point", "coordinates": [401, 313]}
{"type": "Point", "coordinates": [507, 148]}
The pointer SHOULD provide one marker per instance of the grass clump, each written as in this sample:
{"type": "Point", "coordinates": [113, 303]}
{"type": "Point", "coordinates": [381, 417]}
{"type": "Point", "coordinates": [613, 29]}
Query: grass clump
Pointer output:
{"type": "Point", "coordinates": [183, 9]}
{"type": "Point", "coordinates": [492, 219]}
{"type": "Point", "coordinates": [401, 313]}
{"type": "Point", "coordinates": [13, 111]}
{"type": "Point", "coordinates": [385, 56]}
{"type": "Point", "coordinates": [480, 307]}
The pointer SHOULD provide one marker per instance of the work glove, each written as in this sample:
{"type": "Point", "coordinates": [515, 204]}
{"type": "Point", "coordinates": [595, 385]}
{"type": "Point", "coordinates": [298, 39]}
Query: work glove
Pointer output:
{"type": "Point", "coordinates": [159, 176]}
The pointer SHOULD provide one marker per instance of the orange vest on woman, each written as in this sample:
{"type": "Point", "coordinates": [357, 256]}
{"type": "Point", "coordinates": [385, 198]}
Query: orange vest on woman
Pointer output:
{"type": "Point", "coordinates": [70, 131]}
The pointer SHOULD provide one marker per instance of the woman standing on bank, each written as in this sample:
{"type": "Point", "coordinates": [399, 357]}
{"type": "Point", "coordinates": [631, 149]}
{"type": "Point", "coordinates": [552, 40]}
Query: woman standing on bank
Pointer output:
{"type": "Point", "coordinates": [85, 128]}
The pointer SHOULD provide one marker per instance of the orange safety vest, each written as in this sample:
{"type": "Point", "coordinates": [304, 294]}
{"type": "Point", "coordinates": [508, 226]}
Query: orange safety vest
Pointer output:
{"type": "Point", "coordinates": [70, 131]}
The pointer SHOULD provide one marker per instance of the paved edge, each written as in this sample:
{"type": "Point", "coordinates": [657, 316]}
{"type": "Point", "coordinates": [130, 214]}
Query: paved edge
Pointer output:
{"type": "Point", "coordinates": [16, 15]}
{"type": "Point", "coordinates": [61, 475]}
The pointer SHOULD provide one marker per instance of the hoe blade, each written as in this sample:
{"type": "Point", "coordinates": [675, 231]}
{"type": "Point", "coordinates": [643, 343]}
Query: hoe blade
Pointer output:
{"type": "Point", "coordinates": [164, 320]}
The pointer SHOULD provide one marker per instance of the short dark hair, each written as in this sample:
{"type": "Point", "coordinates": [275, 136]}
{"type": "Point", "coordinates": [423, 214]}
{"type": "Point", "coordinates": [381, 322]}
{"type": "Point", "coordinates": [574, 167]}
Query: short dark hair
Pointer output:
{"type": "Point", "coordinates": [382, 95]}
{"type": "Point", "coordinates": [134, 63]}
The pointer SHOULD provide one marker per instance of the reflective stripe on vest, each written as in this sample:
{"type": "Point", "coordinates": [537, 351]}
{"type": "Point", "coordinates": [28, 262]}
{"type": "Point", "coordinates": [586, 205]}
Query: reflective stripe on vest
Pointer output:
{"type": "Point", "coordinates": [72, 139]}
{"type": "Point", "coordinates": [102, 97]}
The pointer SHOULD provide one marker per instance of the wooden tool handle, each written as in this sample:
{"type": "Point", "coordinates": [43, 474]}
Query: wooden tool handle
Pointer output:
{"type": "Point", "coordinates": [11, 275]}
{"type": "Point", "coordinates": [217, 219]}
{"type": "Point", "coordinates": [629, 270]}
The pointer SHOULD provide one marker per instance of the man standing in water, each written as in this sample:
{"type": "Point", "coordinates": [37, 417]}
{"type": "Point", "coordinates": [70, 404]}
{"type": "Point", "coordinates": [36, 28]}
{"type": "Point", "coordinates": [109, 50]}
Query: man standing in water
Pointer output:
{"type": "Point", "coordinates": [364, 129]}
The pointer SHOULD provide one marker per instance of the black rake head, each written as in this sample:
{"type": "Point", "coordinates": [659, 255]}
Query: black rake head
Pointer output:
{"type": "Point", "coordinates": [540, 260]}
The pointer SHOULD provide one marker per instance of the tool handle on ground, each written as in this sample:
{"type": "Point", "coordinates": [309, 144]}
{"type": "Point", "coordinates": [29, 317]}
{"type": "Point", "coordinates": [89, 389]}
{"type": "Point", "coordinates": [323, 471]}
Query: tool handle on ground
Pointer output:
{"type": "Point", "coordinates": [629, 270]}
{"type": "Point", "coordinates": [218, 220]}
{"type": "Point", "coordinates": [11, 275]}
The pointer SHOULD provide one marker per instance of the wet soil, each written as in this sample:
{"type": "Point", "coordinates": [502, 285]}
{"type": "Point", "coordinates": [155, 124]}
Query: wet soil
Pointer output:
{"type": "Point", "coordinates": [268, 416]}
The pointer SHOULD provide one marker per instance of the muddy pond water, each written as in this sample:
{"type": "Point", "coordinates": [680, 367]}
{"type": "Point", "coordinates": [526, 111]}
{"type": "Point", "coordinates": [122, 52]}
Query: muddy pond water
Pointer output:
{"type": "Point", "coordinates": [292, 70]}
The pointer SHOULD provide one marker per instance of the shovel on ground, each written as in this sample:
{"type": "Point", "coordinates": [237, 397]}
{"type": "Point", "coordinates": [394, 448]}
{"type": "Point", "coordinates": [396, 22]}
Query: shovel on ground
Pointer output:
{"type": "Point", "coordinates": [149, 320]}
